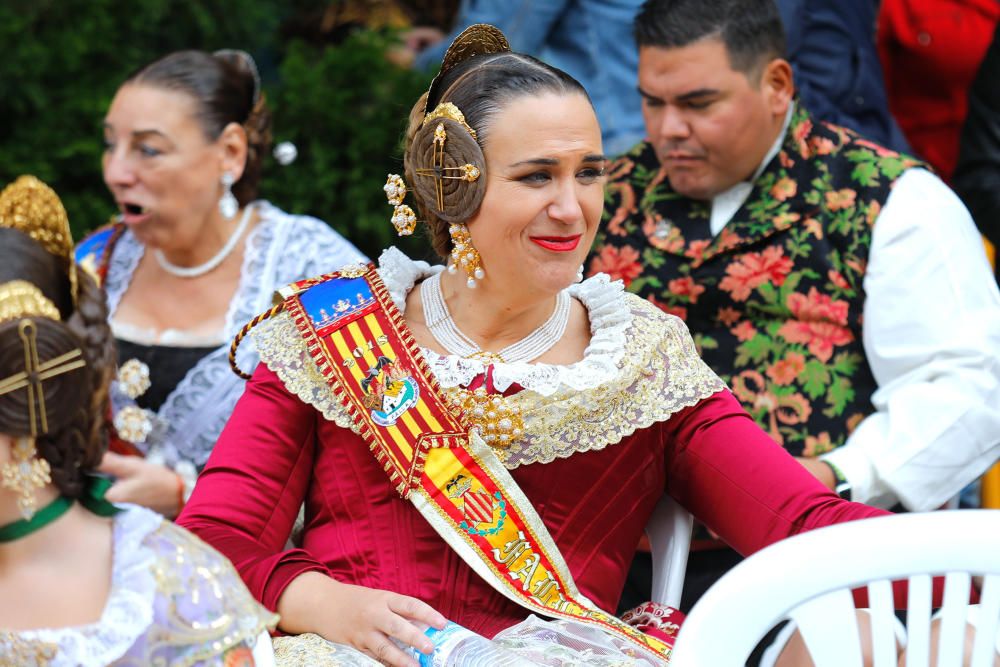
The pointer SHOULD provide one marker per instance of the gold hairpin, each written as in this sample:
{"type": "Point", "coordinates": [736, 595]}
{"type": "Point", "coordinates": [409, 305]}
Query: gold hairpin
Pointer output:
{"type": "Point", "coordinates": [439, 172]}
{"type": "Point", "coordinates": [21, 299]}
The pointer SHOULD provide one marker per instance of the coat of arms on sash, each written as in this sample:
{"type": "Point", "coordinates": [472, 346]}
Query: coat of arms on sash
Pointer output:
{"type": "Point", "coordinates": [347, 306]}
{"type": "Point", "coordinates": [389, 391]}
{"type": "Point", "coordinates": [484, 514]}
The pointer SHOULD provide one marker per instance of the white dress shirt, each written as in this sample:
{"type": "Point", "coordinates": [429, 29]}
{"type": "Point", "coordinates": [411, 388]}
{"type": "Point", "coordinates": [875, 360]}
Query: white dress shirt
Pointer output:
{"type": "Point", "coordinates": [931, 334]}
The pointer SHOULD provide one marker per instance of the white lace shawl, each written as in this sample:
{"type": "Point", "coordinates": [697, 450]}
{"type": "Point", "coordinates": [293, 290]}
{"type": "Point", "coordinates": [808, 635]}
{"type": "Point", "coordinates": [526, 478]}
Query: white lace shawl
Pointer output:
{"type": "Point", "coordinates": [640, 368]}
{"type": "Point", "coordinates": [157, 570]}
{"type": "Point", "coordinates": [281, 249]}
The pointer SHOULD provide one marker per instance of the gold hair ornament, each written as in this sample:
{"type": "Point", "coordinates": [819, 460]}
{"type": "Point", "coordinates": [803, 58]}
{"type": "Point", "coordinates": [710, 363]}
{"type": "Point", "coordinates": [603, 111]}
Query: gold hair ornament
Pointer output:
{"type": "Point", "coordinates": [449, 110]}
{"type": "Point", "coordinates": [403, 217]}
{"type": "Point", "coordinates": [476, 40]}
{"type": "Point", "coordinates": [439, 172]}
{"type": "Point", "coordinates": [33, 208]}
{"type": "Point", "coordinates": [21, 299]}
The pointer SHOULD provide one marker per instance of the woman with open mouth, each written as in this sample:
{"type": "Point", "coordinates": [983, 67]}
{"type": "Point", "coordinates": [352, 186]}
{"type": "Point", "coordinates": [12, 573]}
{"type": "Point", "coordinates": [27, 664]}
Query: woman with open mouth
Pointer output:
{"type": "Point", "coordinates": [191, 256]}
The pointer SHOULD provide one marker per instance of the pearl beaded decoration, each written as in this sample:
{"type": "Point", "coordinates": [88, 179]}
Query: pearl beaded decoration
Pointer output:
{"type": "Point", "coordinates": [499, 423]}
{"type": "Point", "coordinates": [443, 328]}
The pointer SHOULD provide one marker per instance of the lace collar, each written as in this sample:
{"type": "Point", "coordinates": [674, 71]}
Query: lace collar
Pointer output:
{"type": "Point", "coordinates": [610, 317]}
{"type": "Point", "coordinates": [640, 368]}
{"type": "Point", "coordinates": [129, 609]}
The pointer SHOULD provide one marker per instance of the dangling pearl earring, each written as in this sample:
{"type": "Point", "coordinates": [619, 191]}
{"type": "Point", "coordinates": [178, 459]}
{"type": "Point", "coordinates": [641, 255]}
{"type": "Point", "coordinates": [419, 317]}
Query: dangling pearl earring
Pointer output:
{"type": "Point", "coordinates": [579, 274]}
{"type": "Point", "coordinates": [465, 255]}
{"type": "Point", "coordinates": [228, 205]}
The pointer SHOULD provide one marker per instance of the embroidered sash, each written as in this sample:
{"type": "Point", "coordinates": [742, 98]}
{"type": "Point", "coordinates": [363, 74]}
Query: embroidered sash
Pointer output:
{"type": "Point", "coordinates": [361, 345]}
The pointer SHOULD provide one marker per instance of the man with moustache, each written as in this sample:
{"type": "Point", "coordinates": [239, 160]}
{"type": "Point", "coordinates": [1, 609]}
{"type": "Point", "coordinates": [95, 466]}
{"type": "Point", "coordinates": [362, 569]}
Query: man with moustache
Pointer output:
{"type": "Point", "coordinates": [840, 288]}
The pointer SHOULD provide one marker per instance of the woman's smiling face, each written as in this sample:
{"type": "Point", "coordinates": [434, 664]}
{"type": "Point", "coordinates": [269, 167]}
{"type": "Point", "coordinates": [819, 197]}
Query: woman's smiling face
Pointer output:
{"type": "Point", "coordinates": [544, 193]}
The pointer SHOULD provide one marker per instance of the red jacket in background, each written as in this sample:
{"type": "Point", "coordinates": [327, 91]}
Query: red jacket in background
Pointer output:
{"type": "Point", "coordinates": [930, 52]}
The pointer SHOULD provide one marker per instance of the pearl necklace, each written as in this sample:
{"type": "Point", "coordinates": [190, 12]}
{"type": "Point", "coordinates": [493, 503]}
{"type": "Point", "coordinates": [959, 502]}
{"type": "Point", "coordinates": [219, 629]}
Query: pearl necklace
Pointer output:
{"type": "Point", "coordinates": [532, 346]}
{"type": "Point", "coordinates": [212, 263]}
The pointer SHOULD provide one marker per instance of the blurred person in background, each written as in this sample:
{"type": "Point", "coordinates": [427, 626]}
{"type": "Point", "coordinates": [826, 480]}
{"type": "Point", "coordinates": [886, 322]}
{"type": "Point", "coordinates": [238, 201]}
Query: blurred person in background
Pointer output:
{"type": "Point", "coordinates": [591, 40]}
{"type": "Point", "coordinates": [830, 45]}
{"type": "Point", "coordinates": [192, 256]}
{"type": "Point", "coordinates": [977, 176]}
{"type": "Point", "coordinates": [930, 52]}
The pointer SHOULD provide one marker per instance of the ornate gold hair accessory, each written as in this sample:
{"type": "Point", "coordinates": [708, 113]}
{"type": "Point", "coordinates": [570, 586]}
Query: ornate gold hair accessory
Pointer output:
{"type": "Point", "coordinates": [466, 172]}
{"type": "Point", "coordinates": [403, 217]}
{"type": "Point", "coordinates": [33, 208]}
{"type": "Point", "coordinates": [476, 40]}
{"type": "Point", "coordinates": [21, 299]}
{"type": "Point", "coordinates": [449, 110]}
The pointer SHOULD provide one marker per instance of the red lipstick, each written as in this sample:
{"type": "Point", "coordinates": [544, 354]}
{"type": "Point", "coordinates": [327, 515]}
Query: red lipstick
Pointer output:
{"type": "Point", "coordinates": [557, 243]}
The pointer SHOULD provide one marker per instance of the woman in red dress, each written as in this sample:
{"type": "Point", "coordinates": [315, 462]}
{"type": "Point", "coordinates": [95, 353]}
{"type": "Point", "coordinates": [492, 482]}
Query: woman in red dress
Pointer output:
{"type": "Point", "coordinates": [587, 404]}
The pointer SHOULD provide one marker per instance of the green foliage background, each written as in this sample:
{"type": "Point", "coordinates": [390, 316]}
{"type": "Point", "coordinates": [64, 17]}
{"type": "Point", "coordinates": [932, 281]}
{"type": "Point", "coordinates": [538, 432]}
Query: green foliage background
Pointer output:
{"type": "Point", "coordinates": [343, 105]}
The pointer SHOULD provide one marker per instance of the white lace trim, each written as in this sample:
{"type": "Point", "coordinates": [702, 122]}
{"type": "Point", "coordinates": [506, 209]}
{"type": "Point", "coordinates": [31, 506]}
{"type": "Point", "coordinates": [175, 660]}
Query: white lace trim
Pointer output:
{"type": "Point", "coordinates": [281, 249]}
{"type": "Point", "coordinates": [129, 609]}
{"type": "Point", "coordinates": [610, 318]}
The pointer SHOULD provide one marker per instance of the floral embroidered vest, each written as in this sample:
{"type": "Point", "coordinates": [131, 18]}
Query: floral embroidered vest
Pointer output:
{"type": "Point", "coordinates": [775, 300]}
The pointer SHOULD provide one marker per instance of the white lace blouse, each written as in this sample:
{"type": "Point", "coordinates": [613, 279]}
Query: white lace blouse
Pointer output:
{"type": "Point", "coordinates": [281, 249]}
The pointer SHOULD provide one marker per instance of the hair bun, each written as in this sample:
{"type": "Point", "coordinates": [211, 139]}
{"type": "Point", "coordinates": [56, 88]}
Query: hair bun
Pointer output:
{"type": "Point", "coordinates": [462, 175]}
{"type": "Point", "coordinates": [246, 64]}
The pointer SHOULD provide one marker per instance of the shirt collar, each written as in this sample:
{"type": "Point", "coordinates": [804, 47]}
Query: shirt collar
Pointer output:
{"type": "Point", "coordinates": [726, 203]}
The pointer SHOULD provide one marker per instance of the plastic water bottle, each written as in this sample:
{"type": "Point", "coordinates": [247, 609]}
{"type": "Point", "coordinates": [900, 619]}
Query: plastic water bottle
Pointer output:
{"type": "Point", "coordinates": [455, 646]}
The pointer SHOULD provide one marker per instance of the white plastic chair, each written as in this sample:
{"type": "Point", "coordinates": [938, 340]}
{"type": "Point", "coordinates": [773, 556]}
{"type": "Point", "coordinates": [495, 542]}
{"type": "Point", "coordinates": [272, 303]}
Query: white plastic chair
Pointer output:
{"type": "Point", "coordinates": [808, 578]}
{"type": "Point", "coordinates": [669, 532]}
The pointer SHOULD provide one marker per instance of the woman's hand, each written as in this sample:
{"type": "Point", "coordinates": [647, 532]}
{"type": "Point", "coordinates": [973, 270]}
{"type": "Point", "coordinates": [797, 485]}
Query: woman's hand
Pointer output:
{"type": "Point", "coordinates": [365, 618]}
{"type": "Point", "coordinates": [141, 482]}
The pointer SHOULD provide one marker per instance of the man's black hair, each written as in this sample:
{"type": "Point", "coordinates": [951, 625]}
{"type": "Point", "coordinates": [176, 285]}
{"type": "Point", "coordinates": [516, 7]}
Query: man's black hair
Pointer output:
{"type": "Point", "coordinates": [750, 29]}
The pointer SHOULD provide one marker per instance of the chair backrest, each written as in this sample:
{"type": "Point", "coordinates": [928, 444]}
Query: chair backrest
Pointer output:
{"type": "Point", "coordinates": [669, 532]}
{"type": "Point", "coordinates": [809, 579]}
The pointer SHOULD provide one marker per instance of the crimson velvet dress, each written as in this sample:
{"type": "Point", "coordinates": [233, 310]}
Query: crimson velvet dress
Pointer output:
{"type": "Point", "coordinates": [283, 447]}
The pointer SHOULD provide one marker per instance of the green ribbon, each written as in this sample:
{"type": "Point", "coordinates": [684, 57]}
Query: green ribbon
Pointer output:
{"type": "Point", "coordinates": [93, 496]}
{"type": "Point", "coordinates": [43, 517]}
{"type": "Point", "coordinates": [92, 499]}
